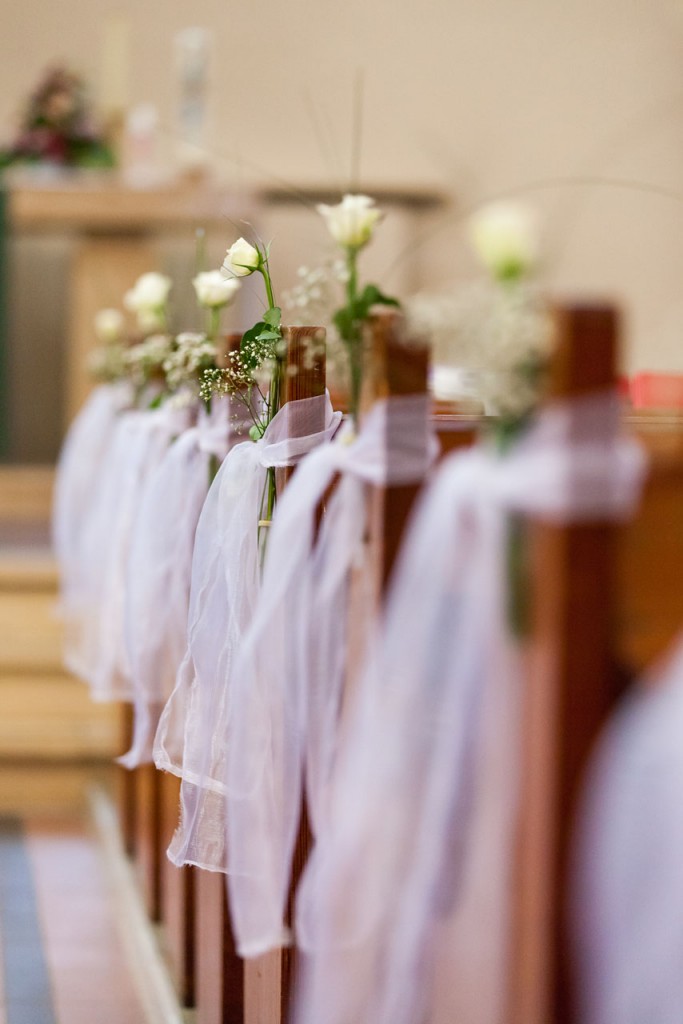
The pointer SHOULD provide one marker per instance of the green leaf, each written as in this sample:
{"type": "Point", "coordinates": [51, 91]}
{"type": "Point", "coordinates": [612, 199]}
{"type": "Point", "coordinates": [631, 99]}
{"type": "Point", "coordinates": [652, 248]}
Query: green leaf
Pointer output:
{"type": "Point", "coordinates": [273, 317]}
{"type": "Point", "coordinates": [269, 336]}
{"type": "Point", "coordinates": [372, 296]}
{"type": "Point", "coordinates": [343, 320]}
{"type": "Point", "coordinates": [253, 333]}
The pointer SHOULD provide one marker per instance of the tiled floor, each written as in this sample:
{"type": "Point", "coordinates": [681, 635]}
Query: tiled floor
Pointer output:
{"type": "Point", "coordinates": [63, 952]}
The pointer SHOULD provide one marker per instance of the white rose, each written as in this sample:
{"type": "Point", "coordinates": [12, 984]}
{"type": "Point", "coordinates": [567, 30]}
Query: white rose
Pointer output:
{"type": "Point", "coordinates": [109, 325]}
{"type": "Point", "coordinates": [505, 238]}
{"type": "Point", "coordinates": [241, 259]}
{"type": "Point", "coordinates": [352, 222]}
{"type": "Point", "coordinates": [150, 291]}
{"type": "Point", "coordinates": [213, 289]}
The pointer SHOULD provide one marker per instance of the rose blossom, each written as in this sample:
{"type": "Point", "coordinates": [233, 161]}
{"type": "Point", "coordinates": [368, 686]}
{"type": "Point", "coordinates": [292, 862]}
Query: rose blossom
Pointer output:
{"type": "Point", "coordinates": [149, 292]}
{"type": "Point", "coordinates": [241, 259]}
{"type": "Point", "coordinates": [352, 222]}
{"type": "Point", "coordinates": [505, 238]}
{"type": "Point", "coordinates": [213, 289]}
{"type": "Point", "coordinates": [109, 324]}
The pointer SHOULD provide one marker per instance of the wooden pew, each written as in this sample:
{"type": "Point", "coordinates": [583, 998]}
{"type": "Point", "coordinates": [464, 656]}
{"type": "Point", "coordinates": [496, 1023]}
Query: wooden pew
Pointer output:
{"type": "Point", "coordinates": [604, 604]}
{"type": "Point", "coordinates": [392, 368]}
{"type": "Point", "coordinates": [223, 984]}
{"type": "Point", "coordinates": [178, 886]}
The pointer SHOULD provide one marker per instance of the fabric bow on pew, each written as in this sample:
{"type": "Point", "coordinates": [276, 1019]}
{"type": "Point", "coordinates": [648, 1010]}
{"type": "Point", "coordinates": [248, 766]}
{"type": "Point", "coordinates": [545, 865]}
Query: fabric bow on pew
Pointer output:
{"type": "Point", "coordinates": [191, 737]}
{"type": "Point", "coordinates": [289, 677]}
{"type": "Point", "coordinates": [628, 891]}
{"type": "Point", "coordinates": [160, 563]}
{"type": "Point", "coordinates": [140, 443]}
{"type": "Point", "coordinates": [82, 456]}
{"type": "Point", "coordinates": [439, 698]}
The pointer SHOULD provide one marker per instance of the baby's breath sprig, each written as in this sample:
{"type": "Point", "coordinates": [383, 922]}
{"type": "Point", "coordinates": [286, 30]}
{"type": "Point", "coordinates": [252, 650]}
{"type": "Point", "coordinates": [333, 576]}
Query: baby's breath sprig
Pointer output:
{"type": "Point", "coordinates": [144, 361]}
{"type": "Point", "coordinates": [240, 381]}
{"type": "Point", "coordinates": [194, 353]}
{"type": "Point", "coordinates": [107, 363]}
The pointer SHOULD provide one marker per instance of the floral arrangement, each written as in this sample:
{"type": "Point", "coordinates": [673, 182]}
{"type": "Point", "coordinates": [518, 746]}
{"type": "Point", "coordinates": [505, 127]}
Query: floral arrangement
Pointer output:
{"type": "Point", "coordinates": [496, 331]}
{"type": "Point", "coordinates": [107, 362]}
{"type": "Point", "coordinates": [516, 334]}
{"type": "Point", "coordinates": [517, 340]}
{"type": "Point", "coordinates": [259, 363]}
{"type": "Point", "coordinates": [57, 127]}
{"type": "Point", "coordinates": [148, 300]}
{"type": "Point", "coordinates": [174, 363]}
{"type": "Point", "coordinates": [352, 223]}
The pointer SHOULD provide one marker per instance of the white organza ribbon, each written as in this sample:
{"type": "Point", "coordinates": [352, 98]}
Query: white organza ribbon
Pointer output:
{"type": "Point", "coordinates": [76, 485]}
{"type": "Point", "coordinates": [417, 842]}
{"type": "Point", "coordinates": [289, 675]}
{"type": "Point", "coordinates": [160, 563]}
{"type": "Point", "coordinates": [140, 442]}
{"type": "Point", "coordinates": [191, 738]}
{"type": "Point", "coordinates": [628, 890]}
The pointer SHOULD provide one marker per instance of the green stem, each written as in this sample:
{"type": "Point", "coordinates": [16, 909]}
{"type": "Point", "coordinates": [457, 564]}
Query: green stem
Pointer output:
{"type": "Point", "coordinates": [265, 274]}
{"type": "Point", "coordinates": [214, 322]}
{"type": "Point", "coordinates": [354, 341]}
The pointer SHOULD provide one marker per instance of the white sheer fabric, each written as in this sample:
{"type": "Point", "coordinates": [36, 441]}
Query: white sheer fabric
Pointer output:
{"type": "Point", "coordinates": [160, 563]}
{"type": "Point", "coordinates": [411, 803]}
{"type": "Point", "coordinates": [191, 738]}
{"type": "Point", "coordinates": [290, 670]}
{"type": "Point", "coordinates": [140, 441]}
{"type": "Point", "coordinates": [80, 460]}
{"type": "Point", "coordinates": [628, 893]}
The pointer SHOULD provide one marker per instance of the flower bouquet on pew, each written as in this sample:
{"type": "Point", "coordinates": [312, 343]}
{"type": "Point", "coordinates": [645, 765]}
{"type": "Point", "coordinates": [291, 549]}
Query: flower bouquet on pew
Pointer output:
{"type": "Point", "coordinates": [515, 336]}
{"type": "Point", "coordinates": [352, 223]}
{"type": "Point", "coordinates": [516, 342]}
{"type": "Point", "coordinates": [258, 367]}
{"type": "Point", "coordinates": [331, 294]}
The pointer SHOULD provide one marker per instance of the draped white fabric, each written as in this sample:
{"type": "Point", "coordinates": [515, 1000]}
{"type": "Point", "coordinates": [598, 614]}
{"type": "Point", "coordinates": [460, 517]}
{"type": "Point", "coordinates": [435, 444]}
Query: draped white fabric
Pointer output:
{"type": "Point", "coordinates": [140, 441]}
{"type": "Point", "coordinates": [289, 674]}
{"type": "Point", "coordinates": [83, 452]}
{"type": "Point", "coordinates": [191, 738]}
{"type": "Point", "coordinates": [628, 893]}
{"type": "Point", "coordinates": [160, 563]}
{"type": "Point", "coordinates": [397, 863]}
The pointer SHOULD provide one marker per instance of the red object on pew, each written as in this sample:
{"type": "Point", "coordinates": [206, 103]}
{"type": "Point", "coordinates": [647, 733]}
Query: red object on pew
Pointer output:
{"type": "Point", "coordinates": [657, 391]}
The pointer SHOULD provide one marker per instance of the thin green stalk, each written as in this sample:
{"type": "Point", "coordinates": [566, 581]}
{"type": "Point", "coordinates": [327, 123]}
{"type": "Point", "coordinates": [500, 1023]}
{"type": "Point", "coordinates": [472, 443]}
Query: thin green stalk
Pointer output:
{"type": "Point", "coordinates": [353, 342]}
{"type": "Point", "coordinates": [214, 316]}
{"type": "Point", "coordinates": [265, 274]}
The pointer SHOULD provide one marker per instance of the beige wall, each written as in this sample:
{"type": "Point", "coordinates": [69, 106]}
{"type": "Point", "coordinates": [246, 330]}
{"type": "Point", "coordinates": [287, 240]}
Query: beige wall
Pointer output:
{"type": "Point", "coordinates": [475, 97]}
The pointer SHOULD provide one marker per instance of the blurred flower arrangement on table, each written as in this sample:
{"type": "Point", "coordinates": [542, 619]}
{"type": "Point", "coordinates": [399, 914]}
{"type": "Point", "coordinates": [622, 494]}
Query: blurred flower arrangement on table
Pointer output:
{"type": "Point", "coordinates": [58, 127]}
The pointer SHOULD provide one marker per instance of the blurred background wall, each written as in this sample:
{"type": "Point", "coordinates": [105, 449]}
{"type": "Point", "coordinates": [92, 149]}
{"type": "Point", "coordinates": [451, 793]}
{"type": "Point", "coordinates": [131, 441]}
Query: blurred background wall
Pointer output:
{"type": "Point", "coordinates": [576, 106]}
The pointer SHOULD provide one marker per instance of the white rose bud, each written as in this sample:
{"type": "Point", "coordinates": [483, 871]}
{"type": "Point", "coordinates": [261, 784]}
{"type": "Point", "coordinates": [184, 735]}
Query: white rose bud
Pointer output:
{"type": "Point", "coordinates": [241, 259]}
{"type": "Point", "coordinates": [352, 222]}
{"type": "Point", "coordinates": [109, 326]}
{"type": "Point", "coordinates": [214, 290]}
{"type": "Point", "coordinates": [505, 238]}
{"type": "Point", "coordinates": [150, 291]}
